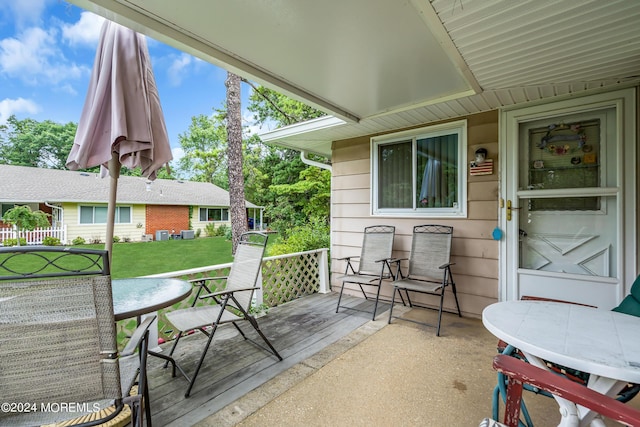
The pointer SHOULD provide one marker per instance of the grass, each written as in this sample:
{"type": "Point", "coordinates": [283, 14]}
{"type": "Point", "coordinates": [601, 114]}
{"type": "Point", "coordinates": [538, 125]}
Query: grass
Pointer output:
{"type": "Point", "coordinates": [144, 258]}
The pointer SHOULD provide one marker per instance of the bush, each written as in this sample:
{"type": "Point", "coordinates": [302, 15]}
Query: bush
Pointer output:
{"type": "Point", "coordinates": [51, 241]}
{"type": "Point", "coordinates": [210, 229]}
{"type": "Point", "coordinates": [223, 230]}
{"type": "Point", "coordinates": [228, 233]}
{"type": "Point", "coordinates": [78, 241]}
{"type": "Point", "coordinates": [14, 242]}
{"type": "Point", "coordinates": [315, 235]}
{"type": "Point", "coordinates": [198, 232]}
{"type": "Point", "coordinates": [116, 239]}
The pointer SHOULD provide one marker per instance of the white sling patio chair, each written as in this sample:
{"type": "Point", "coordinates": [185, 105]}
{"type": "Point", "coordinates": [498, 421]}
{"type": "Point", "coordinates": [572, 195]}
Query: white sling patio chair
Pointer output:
{"type": "Point", "coordinates": [373, 263]}
{"type": "Point", "coordinates": [232, 304]}
{"type": "Point", "coordinates": [429, 269]}
{"type": "Point", "coordinates": [58, 341]}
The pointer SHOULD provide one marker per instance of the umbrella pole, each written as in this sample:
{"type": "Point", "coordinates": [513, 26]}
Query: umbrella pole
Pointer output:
{"type": "Point", "coordinates": [114, 174]}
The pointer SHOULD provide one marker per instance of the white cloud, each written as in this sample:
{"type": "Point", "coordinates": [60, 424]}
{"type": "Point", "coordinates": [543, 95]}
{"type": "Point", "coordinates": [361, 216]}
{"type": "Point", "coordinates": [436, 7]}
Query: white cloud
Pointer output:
{"type": "Point", "coordinates": [85, 32]}
{"type": "Point", "coordinates": [24, 12]}
{"type": "Point", "coordinates": [15, 106]}
{"type": "Point", "coordinates": [178, 153]}
{"type": "Point", "coordinates": [178, 69]}
{"type": "Point", "coordinates": [34, 58]}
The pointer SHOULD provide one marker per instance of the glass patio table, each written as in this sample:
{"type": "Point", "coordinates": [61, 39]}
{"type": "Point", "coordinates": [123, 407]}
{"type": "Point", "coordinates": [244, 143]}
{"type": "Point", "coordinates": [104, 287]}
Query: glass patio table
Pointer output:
{"type": "Point", "coordinates": [138, 296]}
{"type": "Point", "coordinates": [143, 295]}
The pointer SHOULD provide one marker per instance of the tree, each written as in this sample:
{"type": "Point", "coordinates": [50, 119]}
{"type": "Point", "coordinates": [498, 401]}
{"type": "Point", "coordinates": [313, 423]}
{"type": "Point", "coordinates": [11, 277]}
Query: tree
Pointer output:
{"type": "Point", "coordinates": [37, 144]}
{"type": "Point", "coordinates": [238, 210]}
{"type": "Point", "coordinates": [296, 194]}
{"type": "Point", "coordinates": [23, 218]}
{"type": "Point", "coordinates": [204, 146]}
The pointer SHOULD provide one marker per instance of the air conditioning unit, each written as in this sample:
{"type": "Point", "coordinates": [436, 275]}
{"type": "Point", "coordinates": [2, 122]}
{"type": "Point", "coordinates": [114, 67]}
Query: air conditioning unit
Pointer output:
{"type": "Point", "coordinates": [187, 234]}
{"type": "Point", "coordinates": [162, 235]}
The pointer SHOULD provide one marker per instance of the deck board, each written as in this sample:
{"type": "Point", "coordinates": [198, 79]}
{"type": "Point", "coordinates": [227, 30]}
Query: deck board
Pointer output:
{"type": "Point", "coordinates": [235, 366]}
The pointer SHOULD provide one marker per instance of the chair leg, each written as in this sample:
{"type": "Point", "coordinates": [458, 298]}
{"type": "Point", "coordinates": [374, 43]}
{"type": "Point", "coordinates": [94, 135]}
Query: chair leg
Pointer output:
{"type": "Point", "coordinates": [255, 325]}
{"type": "Point", "coordinates": [393, 300]}
{"type": "Point", "coordinates": [173, 347]}
{"type": "Point", "coordinates": [375, 305]}
{"type": "Point", "coordinates": [340, 297]}
{"type": "Point", "coordinates": [202, 356]}
{"type": "Point", "coordinates": [455, 293]}
{"type": "Point", "coordinates": [440, 310]}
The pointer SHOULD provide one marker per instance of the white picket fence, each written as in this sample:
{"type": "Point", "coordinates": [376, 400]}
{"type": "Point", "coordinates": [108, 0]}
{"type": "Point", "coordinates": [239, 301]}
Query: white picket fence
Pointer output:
{"type": "Point", "coordinates": [34, 237]}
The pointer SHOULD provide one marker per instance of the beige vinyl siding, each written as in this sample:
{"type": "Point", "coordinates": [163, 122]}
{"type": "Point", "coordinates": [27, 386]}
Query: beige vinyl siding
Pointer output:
{"type": "Point", "coordinates": [474, 251]}
{"type": "Point", "coordinates": [93, 232]}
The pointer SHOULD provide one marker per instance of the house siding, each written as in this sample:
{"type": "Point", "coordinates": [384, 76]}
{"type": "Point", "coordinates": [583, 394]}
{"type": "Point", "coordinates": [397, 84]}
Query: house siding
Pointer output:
{"type": "Point", "coordinates": [97, 232]}
{"type": "Point", "coordinates": [474, 251]}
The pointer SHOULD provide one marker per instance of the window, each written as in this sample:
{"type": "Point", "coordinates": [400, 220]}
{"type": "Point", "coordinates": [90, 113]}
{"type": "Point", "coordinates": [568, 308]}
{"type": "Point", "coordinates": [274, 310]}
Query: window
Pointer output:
{"type": "Point", "coordinates": [214, 214]}
{"type": "Point", "coordinates": [98, 215]}
{"type": "Point", "coordinates": [420, 172]}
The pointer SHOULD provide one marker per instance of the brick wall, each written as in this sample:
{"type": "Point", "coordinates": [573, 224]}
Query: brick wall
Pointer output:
{"type": "Point", "coordinates": [164, 217]}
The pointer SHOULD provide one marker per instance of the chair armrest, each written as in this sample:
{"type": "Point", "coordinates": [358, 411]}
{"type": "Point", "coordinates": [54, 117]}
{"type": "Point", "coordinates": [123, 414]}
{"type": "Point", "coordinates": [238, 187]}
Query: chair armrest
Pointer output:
{"type": "Point", "coordinates": [204, 279]}
{"type": "Point", "coordinates": [229, 291]}
{"type": "Point", "coordinates": [521, 372]}
{"type": "Point", "coordinates": [137, 336]}
{"type": "Point", "coordinates": [348, 258]}
{"type": "Point", "coordinates": [449, 264]}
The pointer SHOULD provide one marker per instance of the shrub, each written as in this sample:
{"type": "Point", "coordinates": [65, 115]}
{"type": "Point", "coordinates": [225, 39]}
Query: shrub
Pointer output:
{"type": "Point", "coordinates": [198, 232]}
{"type": "Point", "coordinates": [14, 242]}
{"type": "Point", "coordinates": [210, 229]}
{"type": "Point", "coordinates": [116, 239]}
{"type": "Point", "coordinates": [78, 241]}
{"type": "Point", "coordinates": [228, 233]}
{"type": "Point", "coordinates": [314, 235]}
{"type": "Point", "coordinates": [223, 230]}
{"type": "Point", "coordinates": [51, 241]}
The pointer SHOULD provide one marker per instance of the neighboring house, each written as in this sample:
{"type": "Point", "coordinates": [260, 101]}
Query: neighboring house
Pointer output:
{"type": "Point", "coordinates": [548, 89]}
{"type": "Point", "coordinates": [77, 201]}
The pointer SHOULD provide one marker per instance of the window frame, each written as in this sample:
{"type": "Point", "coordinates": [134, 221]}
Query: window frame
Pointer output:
{"type": "Point", "coordinates": [458, 127]}
{"type": "Point", "coordinates": [207, 209]}
{"type": "Point", "coordinates": [93, 216]}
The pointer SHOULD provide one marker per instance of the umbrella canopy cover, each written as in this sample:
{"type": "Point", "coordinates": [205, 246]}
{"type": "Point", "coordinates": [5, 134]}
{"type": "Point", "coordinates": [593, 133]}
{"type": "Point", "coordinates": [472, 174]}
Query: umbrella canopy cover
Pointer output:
{"type": "Point", "coordinates": [122, 112]}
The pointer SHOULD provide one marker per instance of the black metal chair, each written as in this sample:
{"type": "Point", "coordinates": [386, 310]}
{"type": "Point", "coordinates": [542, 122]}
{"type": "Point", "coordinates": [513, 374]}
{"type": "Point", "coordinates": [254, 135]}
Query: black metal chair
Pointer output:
{"type": "Point", "coordinates": [429, 269]}
{"type": "Point", "coordinates": [373, 263]}
{"type": "Point", "coordinates": [58, 341]}
{"type": "Point", "coordinates": [230, 305]}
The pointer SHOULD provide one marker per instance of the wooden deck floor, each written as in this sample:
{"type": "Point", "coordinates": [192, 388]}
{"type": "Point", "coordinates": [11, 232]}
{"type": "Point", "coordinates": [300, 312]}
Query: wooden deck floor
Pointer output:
{"type": "Point", "coordinates": [235, 366]}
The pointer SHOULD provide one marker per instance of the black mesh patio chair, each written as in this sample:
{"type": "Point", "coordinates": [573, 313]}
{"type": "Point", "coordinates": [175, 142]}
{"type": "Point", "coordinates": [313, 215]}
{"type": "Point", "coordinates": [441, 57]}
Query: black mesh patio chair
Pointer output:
{"type": "Point", "coordinates": [429, 269]}
{"type": "Point", "coordinates": [373, 263]}
{"type": "Point", "coordinates": [230, 305]}
{"type": "Point", "coordinates": [58, 341]}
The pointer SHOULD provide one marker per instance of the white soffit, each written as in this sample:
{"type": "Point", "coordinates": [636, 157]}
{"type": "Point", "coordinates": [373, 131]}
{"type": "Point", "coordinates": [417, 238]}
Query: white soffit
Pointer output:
{"type": "Point", "coordinates": [354, 59]}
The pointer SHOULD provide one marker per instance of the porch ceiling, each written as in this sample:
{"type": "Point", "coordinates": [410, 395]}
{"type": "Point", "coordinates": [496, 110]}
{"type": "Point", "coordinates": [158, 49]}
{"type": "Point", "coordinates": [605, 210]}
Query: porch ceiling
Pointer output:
{"type": "Point", "coordinates": [378, 65]}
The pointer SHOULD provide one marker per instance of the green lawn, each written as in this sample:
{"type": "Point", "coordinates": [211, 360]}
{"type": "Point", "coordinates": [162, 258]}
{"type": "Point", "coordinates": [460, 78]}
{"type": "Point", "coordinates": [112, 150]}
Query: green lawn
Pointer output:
{"type": "Point", "coordinates": [144, 258]}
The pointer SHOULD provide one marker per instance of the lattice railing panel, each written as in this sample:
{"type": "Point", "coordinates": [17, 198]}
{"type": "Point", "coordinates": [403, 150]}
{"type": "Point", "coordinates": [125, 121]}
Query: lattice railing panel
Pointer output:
{"type": "Point", "coordinates": [285, 279]}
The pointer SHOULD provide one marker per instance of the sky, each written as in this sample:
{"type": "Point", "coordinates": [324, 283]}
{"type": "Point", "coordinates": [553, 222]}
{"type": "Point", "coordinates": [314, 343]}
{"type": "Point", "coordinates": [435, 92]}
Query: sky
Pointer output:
{"type": "Point", "coordinates": [47, 49]}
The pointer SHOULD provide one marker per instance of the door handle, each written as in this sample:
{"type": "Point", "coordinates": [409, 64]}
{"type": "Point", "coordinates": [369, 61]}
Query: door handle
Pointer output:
{"type": "Point", "coordinates": [510, 209]}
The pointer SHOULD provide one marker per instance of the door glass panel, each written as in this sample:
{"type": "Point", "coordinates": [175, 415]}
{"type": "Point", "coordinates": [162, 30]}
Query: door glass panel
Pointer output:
{"type": "Point", "coordinates": [575, 241]}
{"type": "Point", "coordinates": [564, 155]}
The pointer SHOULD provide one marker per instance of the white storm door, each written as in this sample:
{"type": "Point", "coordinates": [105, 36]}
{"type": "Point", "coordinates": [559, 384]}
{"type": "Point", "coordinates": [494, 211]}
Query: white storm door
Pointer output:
{"type": "Point", "coordinates": [569, 201]}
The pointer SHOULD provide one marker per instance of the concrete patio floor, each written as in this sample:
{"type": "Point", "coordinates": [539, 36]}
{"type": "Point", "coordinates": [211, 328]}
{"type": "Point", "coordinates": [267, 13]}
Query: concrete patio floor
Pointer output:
{"type": "Point", "coordinates": [383, 375]}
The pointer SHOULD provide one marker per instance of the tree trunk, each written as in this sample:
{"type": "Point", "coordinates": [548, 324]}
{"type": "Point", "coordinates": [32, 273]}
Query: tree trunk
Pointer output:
{"type": "Point", "coordinates": [238, 209]}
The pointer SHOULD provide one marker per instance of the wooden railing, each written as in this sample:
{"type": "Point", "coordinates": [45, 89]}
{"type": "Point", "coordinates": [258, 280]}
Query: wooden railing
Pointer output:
{"type": "Point", "coordinates": [36, 236]}
{"type": "Point", "coordinates": [283, 278]}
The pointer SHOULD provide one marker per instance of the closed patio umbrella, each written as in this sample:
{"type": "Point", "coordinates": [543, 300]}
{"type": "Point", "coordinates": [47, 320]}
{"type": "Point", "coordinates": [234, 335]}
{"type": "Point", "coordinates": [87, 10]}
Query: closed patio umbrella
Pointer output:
{"type": "Point", "coordinates": [121, 121]}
